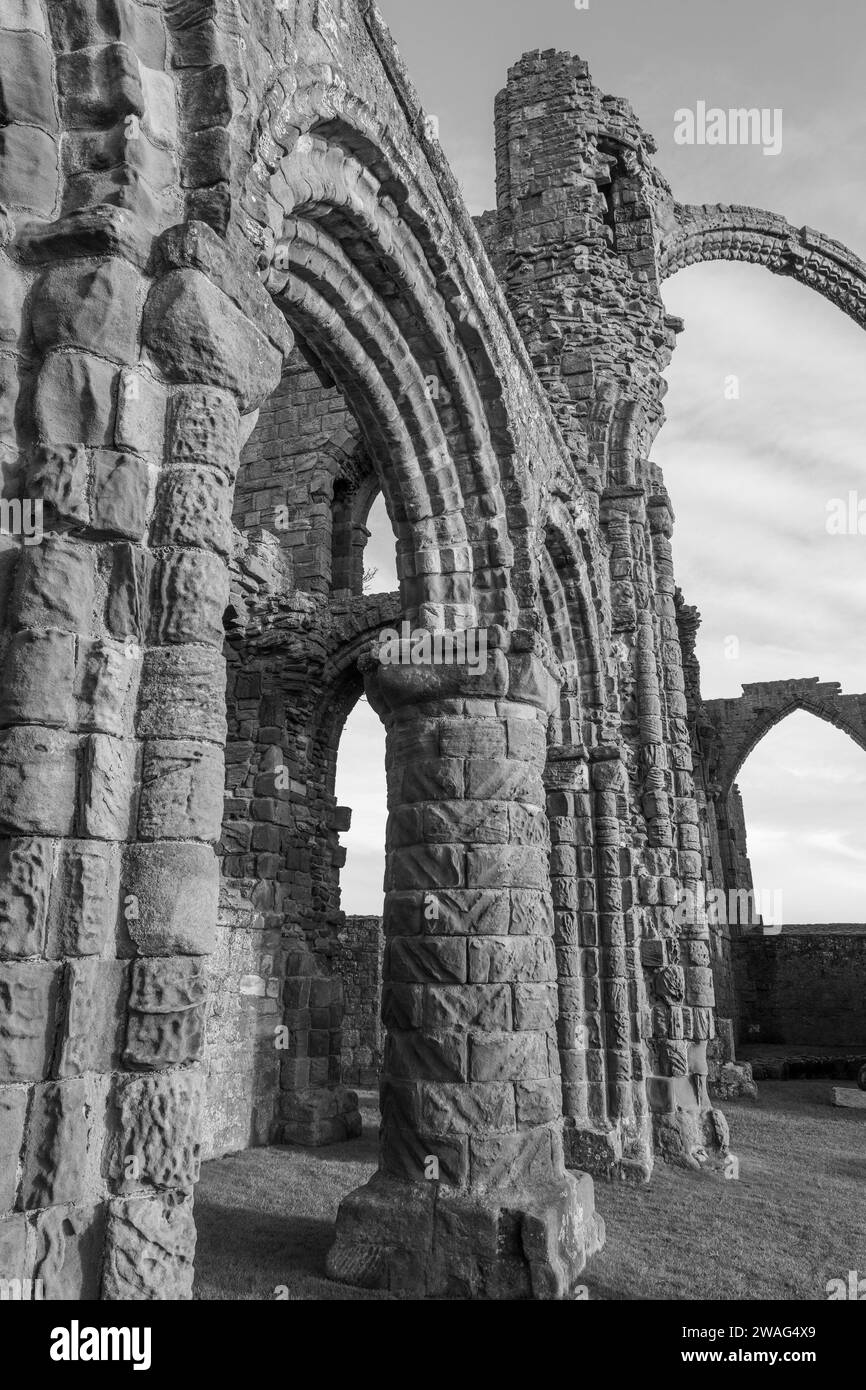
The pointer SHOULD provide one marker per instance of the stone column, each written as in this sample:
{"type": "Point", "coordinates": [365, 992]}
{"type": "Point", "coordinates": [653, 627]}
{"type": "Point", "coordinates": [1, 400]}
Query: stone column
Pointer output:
{"type": "Point", "coordinates": [686, 1125]}
{"type": "Point", "coordinates": [111, 752]}
{"type": "Point", "coordinates": [472, 1198]}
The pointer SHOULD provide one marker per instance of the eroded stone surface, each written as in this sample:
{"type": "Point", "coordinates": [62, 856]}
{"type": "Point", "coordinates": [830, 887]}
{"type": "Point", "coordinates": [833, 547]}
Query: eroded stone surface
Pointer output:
{"type": "Point", "coordinates": [176, 209]}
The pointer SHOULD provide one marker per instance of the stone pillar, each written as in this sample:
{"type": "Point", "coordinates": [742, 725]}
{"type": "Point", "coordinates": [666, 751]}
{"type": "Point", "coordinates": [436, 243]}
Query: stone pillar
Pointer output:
{"type": "Point", "coordinates": [111, 752]}
{"type": "Point", "coordinates": [686, 1125]}
{"type": "Point", "coordinates": [472, 1198]}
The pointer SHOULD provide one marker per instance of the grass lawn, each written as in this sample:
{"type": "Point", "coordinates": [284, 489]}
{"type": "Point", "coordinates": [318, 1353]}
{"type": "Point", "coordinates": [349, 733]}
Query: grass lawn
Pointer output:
{"type": "Point", "coordinates": [795, 1218]}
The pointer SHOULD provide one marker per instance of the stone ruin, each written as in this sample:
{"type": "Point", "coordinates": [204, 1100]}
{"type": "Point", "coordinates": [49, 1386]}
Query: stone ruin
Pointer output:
{"type": "Point", "coordinates": [240, 297]}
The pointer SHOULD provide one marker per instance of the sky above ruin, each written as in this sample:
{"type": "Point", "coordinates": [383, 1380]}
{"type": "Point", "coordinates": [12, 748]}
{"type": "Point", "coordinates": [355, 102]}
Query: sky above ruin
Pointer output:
{"type": "Point", "coordinates": [750, 478]}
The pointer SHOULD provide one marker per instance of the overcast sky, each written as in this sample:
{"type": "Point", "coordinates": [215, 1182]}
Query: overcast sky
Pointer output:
{"type": "Point", "coordinates": [750, 479]}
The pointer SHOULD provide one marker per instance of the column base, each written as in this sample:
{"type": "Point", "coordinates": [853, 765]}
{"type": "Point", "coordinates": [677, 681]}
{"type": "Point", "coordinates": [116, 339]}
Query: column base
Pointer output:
{"type": "Point", "coordinates": [601, 1154]}
{"type": "Point", "coordinates": [732, 1081]}
{"type": "Point", "coordinates": [686, 1133]}
{"type": "Point", "coordinates": [427, 1241]}
{"type": "Point", "coordinates": [318, 1116]}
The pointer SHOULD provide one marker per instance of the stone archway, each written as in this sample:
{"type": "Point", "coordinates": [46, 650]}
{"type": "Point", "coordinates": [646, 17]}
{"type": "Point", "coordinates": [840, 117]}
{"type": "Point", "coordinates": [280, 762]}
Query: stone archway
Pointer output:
{"type": "Point", "coordinates": [158, 303]}
{"type": "Point", "coordinates": [734, 727]}
{"type": "Point", "coordinates": [223, 199]}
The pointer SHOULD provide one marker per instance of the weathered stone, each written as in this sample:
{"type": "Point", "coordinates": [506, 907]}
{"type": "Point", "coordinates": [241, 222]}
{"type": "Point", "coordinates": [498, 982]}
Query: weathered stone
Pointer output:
{"type": "Point", "coordinates": [60, 1153]}
{"type": "Point", "coordinates": [55, 586]}
{"type": "Point", "coordinates": [181, 693]}
{"type": "Point", "coordinates": [76, 400]}
{"type": "Point", "coordinates": [155, 1133]}
{"type": "Point", "coordinates": [122, 489]}
{"type": "Point", "coordinates": [28, 168]}
{"type": "Point", "coordinates": [107, 789]}
{"type": "Point", "coordinates": [175, 892]}
{"type": "Point", "coordinates": [37, 781]}
{"type": "Point", "coordinates": [95, 1008]}
{"type": "Point", "coordinates": [149, 1249]}
{"type": "Point", "coordinates": [203, 428]}
{"type": "Point", "coordinates": [58, 475]}
{"type": "Point", "coordinates": [141, 409]}
{"type": "Point", "coordinates": [28, 1003]}
{"type": "Point", "coordinates": [181, 786]}
{"type": "Point", "coordinates": [89, 307]}
{"type": "Point", "coordinates": [26, 87]}
{"type": "Point", "coordinates": [13, 1109]}
{"type": "Point", "coordinates": [37, 679]}
{"type": "Point", "coordinates": [194, 509]}
{"type": "Point", "coordinates": [100, 86]}
{"type": "Point", "coordinates": [189, 598]}
{"type": "Point", "coordinates": [68, 1251]}
{"type": "Point", "coordinates": [25, 881]}
{"type": "Point", "coordinates": [198, 335]}
{"type": "Point", "coordinates": [77, 24]}
{"type": "Point", "coordinates": [84, 899]}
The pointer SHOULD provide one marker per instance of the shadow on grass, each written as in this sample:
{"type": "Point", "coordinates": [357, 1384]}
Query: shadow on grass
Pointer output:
{"type": "Point", "coordinates": [794, 1219]}
{"type": "Point", "coordinates": [265, 1218]}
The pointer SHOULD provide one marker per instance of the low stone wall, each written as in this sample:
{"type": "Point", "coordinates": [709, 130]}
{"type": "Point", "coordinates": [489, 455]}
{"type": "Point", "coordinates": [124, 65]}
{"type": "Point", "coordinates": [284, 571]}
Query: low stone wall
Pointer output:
{"type": "Point", "coordinates": [358, 960]}
{"type": "Point", "coordinates": [807, 985]}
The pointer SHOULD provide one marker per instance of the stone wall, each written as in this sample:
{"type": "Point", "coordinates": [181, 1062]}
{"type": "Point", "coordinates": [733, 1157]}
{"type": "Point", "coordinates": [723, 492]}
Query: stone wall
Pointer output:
{"type": "Point", "coordinates": [358, 960]}
{"type": "Point", "coordinates": [805, 986]}
{"type": "Point", "coordinates": [241, 293]}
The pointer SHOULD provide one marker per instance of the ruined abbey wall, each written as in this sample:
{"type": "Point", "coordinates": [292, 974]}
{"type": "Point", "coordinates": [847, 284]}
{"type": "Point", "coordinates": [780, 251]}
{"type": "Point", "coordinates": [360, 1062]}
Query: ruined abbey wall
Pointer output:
{"type": "Point", "coordinates": [242, 296]}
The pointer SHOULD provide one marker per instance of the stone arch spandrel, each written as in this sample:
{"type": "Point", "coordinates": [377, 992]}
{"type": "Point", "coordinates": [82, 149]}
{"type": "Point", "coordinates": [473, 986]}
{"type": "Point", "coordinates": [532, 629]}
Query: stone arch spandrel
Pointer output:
{"type": "Point", "coordinates": [711, 233]}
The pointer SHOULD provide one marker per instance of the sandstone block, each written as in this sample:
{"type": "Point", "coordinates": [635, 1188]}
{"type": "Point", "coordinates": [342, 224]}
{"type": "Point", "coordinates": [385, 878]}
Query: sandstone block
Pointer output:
{"type": "Point", "coordinates": [54, 586]}
{"type": "Point", "coordinates": [88, 306]}
{"type": "Point", "coordinates": [175, 888]}
{"type": "Point", "coordinates": [108, 791]}
{"type": "Point", "coordinates": [122, 490]}
{"type": "Point", "coordinates": [95, 1012]}
{"type": "Point", "coordinates": [36, 680]}
{"type": "Point", "coordinates": [68, 1251]}
{"type": "Point", "coordinates": [60, 1158]}
{"type": "Point", "coordinates": [28, 168]}
{"type": "Point", "coordinates": [84, 902]}
{"type": "Point", "coordinates": [100, 86]}
{"type": "Point", "coordinates": [141, 409]}
{"type": "Point", "coordinates": [195, 509]}
{"type": "Point", "coordinates": [37, 781]}
{"type": "Point", "coordinates": [28, 1005]}
{"type": "Point", "coordinates": [58, 475]}
{"type": "Point", "coordinates": [156, 1131]}
{"type": "Point", "coordinates": [75, 400]}
{"type": "Point", "coordinates": [181, 790]}
{"type": "Point", "coordinates": [189, 596]}
{"type": "Point", "coordinates": [198, 335]}
{"type": "Point", "coordinates": [203, 429]}
{"type": "Point", "coordinates": [149, 1249]}
{"type": "Point", "coordinates": [13, 1109]}
{"type": "Point", "coordinates": [429, 960]}
{"type": "Point", "coordinates": [25, 881]}
{"type": "Point", "coordinates": [26, 85]}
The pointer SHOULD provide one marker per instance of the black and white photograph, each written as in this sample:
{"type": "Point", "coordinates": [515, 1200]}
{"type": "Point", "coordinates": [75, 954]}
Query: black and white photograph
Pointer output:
{"type": "Point", "coordinates": [432, 617]}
